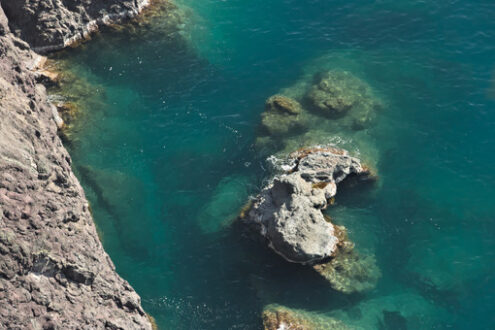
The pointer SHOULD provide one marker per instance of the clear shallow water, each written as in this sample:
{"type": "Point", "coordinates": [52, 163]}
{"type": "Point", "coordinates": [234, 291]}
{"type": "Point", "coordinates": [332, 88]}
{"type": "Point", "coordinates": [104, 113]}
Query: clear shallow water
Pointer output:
{"type": "Point", "coordinates": [175, 124]}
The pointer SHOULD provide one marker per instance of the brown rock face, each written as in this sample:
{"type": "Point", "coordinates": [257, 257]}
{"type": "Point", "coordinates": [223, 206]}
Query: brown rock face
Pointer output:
{"type": "Point", "coordinates": [54, 273]}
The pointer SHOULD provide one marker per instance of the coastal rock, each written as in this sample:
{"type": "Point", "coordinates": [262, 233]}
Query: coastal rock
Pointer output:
{"type": "Point", "coordinates": [282, 116]}
{"type": "Point", "coordinates": [288, 212]}
{"type": "Point", "coordinates": [55, 24]}
{"type": "Point", "coordinates": [276, 317]}
{"type": "Point", "coordinates": [54, 273]}
{"type": "Point", "coordinates": [336, 92]}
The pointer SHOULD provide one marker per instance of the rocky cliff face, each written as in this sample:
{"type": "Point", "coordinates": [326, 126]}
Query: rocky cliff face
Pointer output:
{"type": "Point", "coordinates": [49, 25]}
{"type": "Point", "coordinates": [54, 273]}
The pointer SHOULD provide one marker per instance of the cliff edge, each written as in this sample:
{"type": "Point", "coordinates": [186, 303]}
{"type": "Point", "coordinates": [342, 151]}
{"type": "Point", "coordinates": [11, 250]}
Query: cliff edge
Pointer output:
{"type": "Point", "coordinates": [54, 273]}
{"type": "Point", "coordinates": [48, 25]}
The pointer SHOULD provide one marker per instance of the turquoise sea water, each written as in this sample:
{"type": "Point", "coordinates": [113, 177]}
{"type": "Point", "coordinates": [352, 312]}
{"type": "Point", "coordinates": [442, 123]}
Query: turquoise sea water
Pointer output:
{"type": "Point", "coordinates": [166, 155]}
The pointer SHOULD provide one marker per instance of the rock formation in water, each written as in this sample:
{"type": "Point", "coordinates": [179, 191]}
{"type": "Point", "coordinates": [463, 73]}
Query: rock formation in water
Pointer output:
{"type": "Point", "coordinates": [54, 273]}
{"type": "Point", "coordinates": [288, 214]}
{"type": "Point", "coordinates": [55, 24]}
{"type": "Point", "coordinates": [335, 93]}
{"type": "Point", "coordinates": [276, 317]}
{"type": "Point", "coordinates": [282, 116]}
{"type": "Point", "coordinates": [331, 106]}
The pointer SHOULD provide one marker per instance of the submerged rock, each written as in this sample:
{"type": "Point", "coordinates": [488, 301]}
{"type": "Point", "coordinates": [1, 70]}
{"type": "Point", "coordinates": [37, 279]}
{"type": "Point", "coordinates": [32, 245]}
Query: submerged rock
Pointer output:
{"type": "Point", "coordinates": [282, 116]}
{"type": "Point", "coordinates": [224, 205]}
{"type": "Point", "coordinates": [404, 309]}
{"type": "Point", "coordinates": [439, 265]}
{"type": "Point", "coordinates": [349, 271]}
{"type": "Point", "coordinates": [336, 92]}
{"type": "Point", "coordinates": [276, 317]}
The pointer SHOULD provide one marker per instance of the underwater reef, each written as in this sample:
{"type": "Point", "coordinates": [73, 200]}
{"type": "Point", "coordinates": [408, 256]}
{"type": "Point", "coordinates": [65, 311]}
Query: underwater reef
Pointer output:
{"type": "Point", "coordinates": [277, 317]}
{"type": "Point", "coordinates": [320, 107]}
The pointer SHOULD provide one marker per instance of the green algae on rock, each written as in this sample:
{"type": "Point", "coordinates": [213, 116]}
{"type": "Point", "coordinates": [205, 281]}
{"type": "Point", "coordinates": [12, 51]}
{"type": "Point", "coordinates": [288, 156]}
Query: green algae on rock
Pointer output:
{"type": "Point", "coordinates": [277, 317]}
{"type": "Point", "coordinates": [336, 93]}
{"type": "Point", "coordinates": [282, 116]}
{"type": "Point", "coordinates": [162, 18]}
{"type": "Point", "coordinates": [334, 107]}
{"type": "Point", "coordinates": [348, 271]}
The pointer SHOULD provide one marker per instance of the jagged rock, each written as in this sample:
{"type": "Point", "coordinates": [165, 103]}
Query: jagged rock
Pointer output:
{"type": "Point", "coordinates": [282, 116]}
{"type": "Point", "coordinates": [54, 273]}
{"type": "Point", "coordinates": [276, 317]}
{"type": "Point", "coordinates": [336, 93]}
{"type": "Point", "coordinates": [288, 212]}
{"type": "Point", "coordinates": [53, 24]}
{"type": "Point", "coordinates": [288, 215]}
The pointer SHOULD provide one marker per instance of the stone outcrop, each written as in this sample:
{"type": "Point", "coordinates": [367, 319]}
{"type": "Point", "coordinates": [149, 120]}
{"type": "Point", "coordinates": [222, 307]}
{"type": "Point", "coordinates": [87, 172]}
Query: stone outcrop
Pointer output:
{"type": "Point", "coordinates": [288, 215]}
{"type": "Point", "coordinates": [288, 212]}
{"type": "Point", "coordinates": [55, 24]}
{"type": "Point", "coordinates": [54, 273]}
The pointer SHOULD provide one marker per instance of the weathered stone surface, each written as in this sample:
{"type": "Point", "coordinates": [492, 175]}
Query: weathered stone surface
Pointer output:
{"type": "Point", "coordinates": [288, 212]}
{"type": "Point", "coordinates": [54, 24]}
{"type": "Point", "coordinates": [54, 273]}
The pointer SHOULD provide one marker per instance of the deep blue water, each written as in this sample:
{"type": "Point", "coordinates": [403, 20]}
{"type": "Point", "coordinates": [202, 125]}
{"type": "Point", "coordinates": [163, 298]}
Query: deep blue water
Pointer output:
{"type": "Point", "coordinates": [165, 151]}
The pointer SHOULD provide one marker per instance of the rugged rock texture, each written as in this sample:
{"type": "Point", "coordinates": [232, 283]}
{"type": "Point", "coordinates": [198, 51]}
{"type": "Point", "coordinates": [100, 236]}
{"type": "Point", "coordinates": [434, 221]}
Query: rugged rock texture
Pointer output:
{"type": "Point", "coordinates": [54, 273]}
{"type": "Point", "coordinates": [288, 212]}
{"type": "Point", "coordinates": [49, 25]}
{"type": "Point", "coordinates": [288, 215]}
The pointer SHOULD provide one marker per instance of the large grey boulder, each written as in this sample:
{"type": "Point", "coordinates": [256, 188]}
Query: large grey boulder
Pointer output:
{"type": "Point", "coordinates": [288, 211]}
